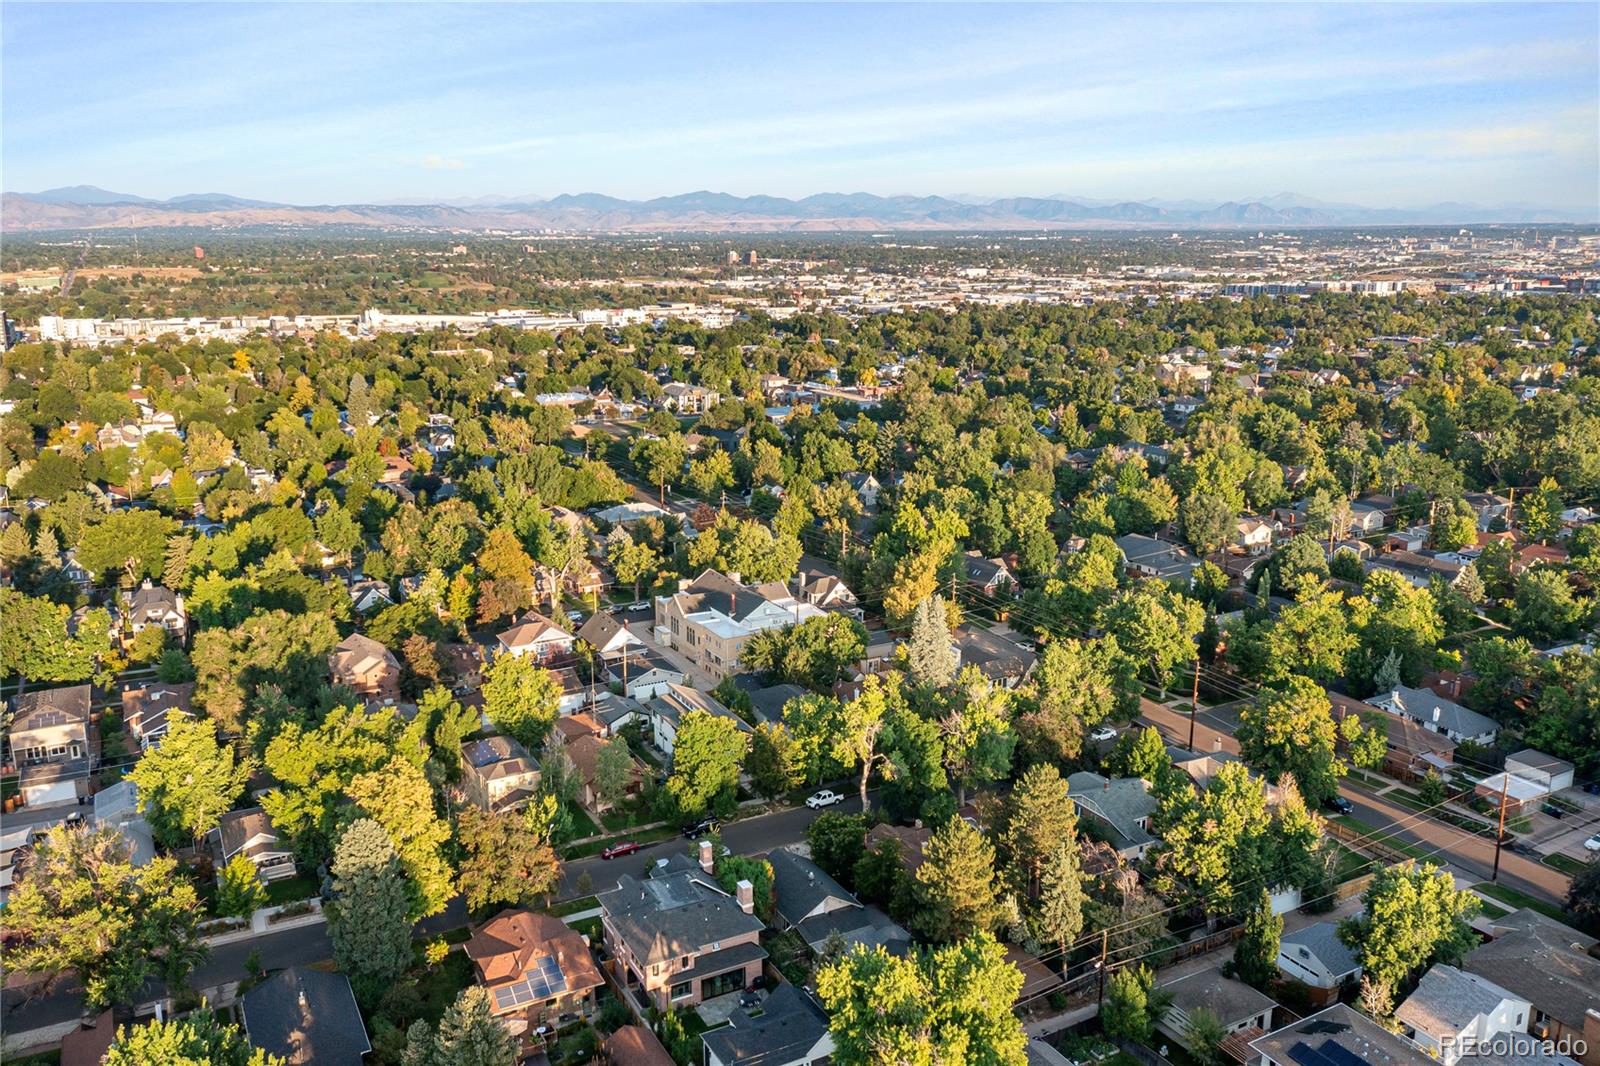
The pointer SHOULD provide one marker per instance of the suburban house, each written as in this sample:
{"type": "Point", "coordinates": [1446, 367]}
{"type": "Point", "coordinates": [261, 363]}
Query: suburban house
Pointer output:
{"type": "Point", "coordinates": [583, 581]}
{"type": "Point", "coordinates": [1001, 660]}
{"type": "Point", "coordinates": [791, 1030]}
{"type": "Point", "coordinates": [1546, 771]}
{"type": "Point", "coordinates": [827, 592]}
{"type": "Point", "coordinates": [154, 606]}
{"type": "Point", "coordinates": [634, 1045]}
{"type": "Point", "coordinates": [911, 840]}
{"type": "Point", "coordinates": [497, 774]}
{"type": "Point", "coordinates": [615, 712]}
{"type": "Point", "coordinates": [369, 594]}
{"type": "Point", "coordinates": [117, 807]}
{"type": "Point", "coordinates": [361, 663]}
{"type": "Point", "coordinates": [688, 399]}
{"type": "Point", "coordinates": [677, 938]}
{"type": "Point", "coordinates": [1438, 714]}
{"type": "Point", "coordinates": [1120, 807]}
{"type": "Point", "coordinates": [610, 639]}
{"type": "Point", "coordinates": [644, 676]}
{"type": "Point", "coordinates": [991, 577]}
{"type": "Point", "coordinates": [867, 489]}
{"type": "Point", "coordinates": [816, 906]}
{"type": "Point", "coordinates": [667, 709]}
{"type": "Point", "coordinates": [51, 744]}
{"type": "Point", "coordinates": [584, 751]}
{"type": "Point", "coordinates": [535, 637]}
{"type": "Point", "coordinates": [1245, 1014]}
{"type": "Point", "coordinates": [1254, 535]}
{"type": "Point", "coordinates": [1149, 557]}
{"type": "Point", "coordinates": [1451, 1007]}
{"type": "Point", "coordinates": [1337, 1035]}
{"type": "Point", "coordinates": [535, 967]}
{"type": "Point", "coordinates": [1412, 751]}
{"type": "Point", "coordinates": [1316, 957]}
{"type": "Point", "coordinates": [148, 711]}
{"type": "Point", "coordinates": [251, 833]}
{"type": "Point", "coordinates": [767, 703]}
{"type": "Point", "coordinates": [306, 1017]}
{"type": "Point", "coordinates": [1549, 965]}
{"type": "Point", "coordinates": [711, 618]}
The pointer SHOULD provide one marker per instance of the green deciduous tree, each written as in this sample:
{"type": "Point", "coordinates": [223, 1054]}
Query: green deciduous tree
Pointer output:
{"type": "Point", "coordinates": [1133, 1005]}
{"type": "Point", "coordinates": [951, 1005]}
{"type": "Point", "coordinates": [837, 842]}
{"type": "Point", "coordinates": [1156, 627]}
{"type": "Point", "coordinates": [82, 906]}
{"type": "Point", "coordinates": [504, 862]}
{"type": "Point", "coordinates": [1291, 730]}
{"type": "Point", "coordinates": [239, 888]}
{"type": "Point", "coordinates": [813, 654]}
{"type": "Point", "coordinates": [197, 1039]}
{"type": "Point", "coordinates": [369, 920]}
{"type": "Point", "coordinates": [1411, 916]}
{"type": "Point", "coordinates": [707, 754]}
{"type": "Point", "coordinates": [188, 782]}
{"type": "Point", "coordinates": [399, 798]}
{"type": "Point", "coordinates": [1077, 685]}
{"type": "Point", "coordinates": [522, 699]}
{"type": "Point", "coordinates": [773, 763]}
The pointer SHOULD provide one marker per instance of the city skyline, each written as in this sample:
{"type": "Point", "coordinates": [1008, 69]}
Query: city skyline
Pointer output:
{"type": "Point", "coordinates": [1386, 106]}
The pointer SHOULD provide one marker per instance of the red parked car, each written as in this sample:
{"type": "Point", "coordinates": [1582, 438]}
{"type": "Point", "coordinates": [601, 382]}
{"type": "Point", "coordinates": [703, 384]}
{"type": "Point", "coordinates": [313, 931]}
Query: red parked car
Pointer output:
{"type": "Point", "coordinates": [627, 847]}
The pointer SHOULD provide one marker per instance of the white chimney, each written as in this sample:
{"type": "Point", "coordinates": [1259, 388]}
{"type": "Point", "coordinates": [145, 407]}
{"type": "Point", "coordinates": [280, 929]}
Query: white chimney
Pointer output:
{"type": "Point", "coordinates": [707, 859]}
{"type": "Point", "coordinates": [1436, 710]}
{"type": "Point", "coordinates": [745, 892]}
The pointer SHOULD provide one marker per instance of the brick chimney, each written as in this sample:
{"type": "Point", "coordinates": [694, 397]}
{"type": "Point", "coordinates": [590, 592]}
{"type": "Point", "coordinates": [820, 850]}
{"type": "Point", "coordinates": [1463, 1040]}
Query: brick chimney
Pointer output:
{"type": "Point", "coordinates": [707, 859]}
{"type": "Point", "coordinates": [745, 892]}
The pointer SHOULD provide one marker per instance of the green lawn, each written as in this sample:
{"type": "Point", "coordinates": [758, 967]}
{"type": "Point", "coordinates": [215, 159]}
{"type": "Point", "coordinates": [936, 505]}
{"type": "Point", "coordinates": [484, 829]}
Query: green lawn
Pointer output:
{"type": "Point", "coordinates": [573, 906]}
{"type": "Point", "coordinates": [582, 825]}
{"type": "Point", "coordinates": [1519, 900]}
{"type": "Point", "coordinates": [1492, 910]}
{"type": "Point", "coordinates": [1566, 864]}
{"type": "Point", "coordinates": [1352, 864]}
{"type": "Point", "coordinates": [1351, 822]}
{"type": "Point", "coordinates": [292, 889]}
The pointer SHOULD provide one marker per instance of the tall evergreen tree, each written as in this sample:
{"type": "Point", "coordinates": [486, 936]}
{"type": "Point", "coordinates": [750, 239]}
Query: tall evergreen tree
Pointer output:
{"type": "Point", "coordinates": [930, 657]}
{"type": "Point", "coordinates": [1059, 916]}
{"type": "Point", "coordinates": [1255, 955]}
{"type": "Point", "coordinates": [468, 1035]}
{"type": "Point", "coordinates": [955, 885]}
{"type": "Point", "coordinates": [369, 918]}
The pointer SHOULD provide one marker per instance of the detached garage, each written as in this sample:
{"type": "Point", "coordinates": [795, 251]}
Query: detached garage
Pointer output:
{"type": "Point", "coordinates": [1547, 771]}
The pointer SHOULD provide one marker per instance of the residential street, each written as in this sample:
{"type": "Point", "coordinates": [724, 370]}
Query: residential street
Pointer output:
{"type": "Point", "coordinates": [1472, 855]}
{"type": "Point", "coordinates": [309, 944]}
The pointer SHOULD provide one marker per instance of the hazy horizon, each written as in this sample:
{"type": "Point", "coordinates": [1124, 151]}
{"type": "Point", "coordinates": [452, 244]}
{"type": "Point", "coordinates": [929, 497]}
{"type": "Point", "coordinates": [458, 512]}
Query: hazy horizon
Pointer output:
{"type": "Point", "coordinates": [1385, 106]}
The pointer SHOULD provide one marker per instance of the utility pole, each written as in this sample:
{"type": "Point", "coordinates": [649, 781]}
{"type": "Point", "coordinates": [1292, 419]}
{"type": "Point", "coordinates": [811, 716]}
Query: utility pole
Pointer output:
{"type": "Point", "coordinates": [1105, 939]}
{"type": "Point", "coordinates": [1194, 702]}
{"type": "Point", "coordinates": [1500, 831]}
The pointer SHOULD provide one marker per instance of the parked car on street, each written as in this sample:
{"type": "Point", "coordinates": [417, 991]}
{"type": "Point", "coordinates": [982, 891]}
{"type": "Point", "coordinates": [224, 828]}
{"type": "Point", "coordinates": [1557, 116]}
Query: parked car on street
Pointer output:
{"type": "Point", "coordinates": [1104, 732]}
{"type": "Point", "coordinates": [1553, 811]}
{"type": "Point", "coordinates": [694, 830]}
{"type": "Point", "coordinates": [1342, 805]}
{"type": "Point", "coordinates": [826, 798]}
{"type": "Point", "coordinates": [1592, 844]}
{"type": "Point", "coordinates": [626, 847]}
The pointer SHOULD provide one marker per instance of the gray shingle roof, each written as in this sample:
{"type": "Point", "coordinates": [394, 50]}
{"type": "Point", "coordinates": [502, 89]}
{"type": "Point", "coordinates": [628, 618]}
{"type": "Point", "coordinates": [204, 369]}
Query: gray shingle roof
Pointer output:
{"type": "Point", "coordinates": [1322, 941]}
{"type": "Point", "coordinates": [670, 916]}
{"type": "Point", "coordinates": [1427, 706]}
{"type": "Point", "coordinates": [1341, 1027]}
{"type": "Point", "coordinates": [306, 1016]}
{"type": "Point", "coordinates": [1447, 999]}
{"type": "Point", "coordinates": [800, 885]}
{"type": "Point", "coordinates": [1118, 802]}
{"type": "Point", "coordinates": [790, 1025]}
{"type": "Point", "coordinates": [1544, 962]}
{"type": "Point", "coordinates": [1231, 1001]}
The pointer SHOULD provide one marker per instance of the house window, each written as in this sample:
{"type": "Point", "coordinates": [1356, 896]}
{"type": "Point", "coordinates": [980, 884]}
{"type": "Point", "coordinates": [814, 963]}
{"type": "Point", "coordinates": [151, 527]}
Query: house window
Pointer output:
{"type": "Point", "coordinates": [682, 991]}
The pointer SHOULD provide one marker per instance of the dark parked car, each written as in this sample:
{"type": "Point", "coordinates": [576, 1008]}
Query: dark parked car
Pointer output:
{"type": "Point", "coordinates": [1553, 811]}
{"type": "Point", "coordinates": [699, 829]}
{"type": "Point", "coordinates": [1342, 805]}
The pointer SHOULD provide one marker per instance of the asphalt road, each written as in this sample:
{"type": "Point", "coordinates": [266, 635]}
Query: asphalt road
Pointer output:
{"type": "Point", "coordinates": [1471, 854]}
{"type": "Point", "coordinates": [749, 836]}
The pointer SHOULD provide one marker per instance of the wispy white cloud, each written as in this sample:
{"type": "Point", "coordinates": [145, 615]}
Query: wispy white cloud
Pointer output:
{"type": "Point", "coordinates": [439, 162]}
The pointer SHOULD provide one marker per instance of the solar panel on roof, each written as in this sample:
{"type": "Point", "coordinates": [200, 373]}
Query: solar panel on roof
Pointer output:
{"type": "Point", "coordinates": [1329, 1054]}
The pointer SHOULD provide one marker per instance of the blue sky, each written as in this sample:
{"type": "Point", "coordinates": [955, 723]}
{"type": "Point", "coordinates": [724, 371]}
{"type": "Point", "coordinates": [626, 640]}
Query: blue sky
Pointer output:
{"type": "Point", "coordinates": [1382, 105]}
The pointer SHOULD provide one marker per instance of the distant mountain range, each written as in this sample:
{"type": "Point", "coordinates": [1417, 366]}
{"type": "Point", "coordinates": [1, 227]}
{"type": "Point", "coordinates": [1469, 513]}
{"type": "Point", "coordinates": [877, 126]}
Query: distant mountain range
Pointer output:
{"type": "Point", "coordinates": [89, 207]}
